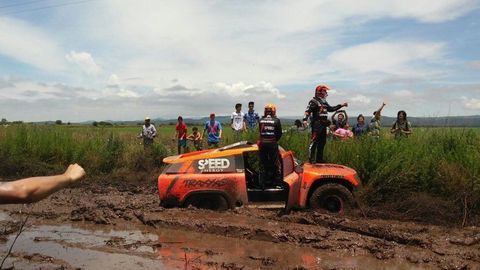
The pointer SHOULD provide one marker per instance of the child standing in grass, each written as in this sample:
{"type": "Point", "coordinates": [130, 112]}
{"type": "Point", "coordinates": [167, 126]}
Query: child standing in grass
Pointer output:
{"type": "Point", "coordinates": [196, 138]}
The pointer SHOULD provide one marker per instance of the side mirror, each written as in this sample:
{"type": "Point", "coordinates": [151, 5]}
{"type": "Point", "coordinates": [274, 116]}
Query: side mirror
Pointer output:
{"type": "Point", "coordinates": [299, 168]}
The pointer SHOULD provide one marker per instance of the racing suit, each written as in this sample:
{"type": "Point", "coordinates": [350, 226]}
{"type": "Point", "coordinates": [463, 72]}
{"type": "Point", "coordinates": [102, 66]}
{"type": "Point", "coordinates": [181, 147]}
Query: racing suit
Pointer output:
{"type": "Point", "coordinates": [270, 132]}
{"type": "Point", "coordinates": [318, 109]}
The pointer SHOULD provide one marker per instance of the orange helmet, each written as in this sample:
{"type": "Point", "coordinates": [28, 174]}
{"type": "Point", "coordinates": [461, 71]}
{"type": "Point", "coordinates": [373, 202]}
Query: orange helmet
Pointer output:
{"type": "Point", "coordinates": [321, 89]}
{"type": "Point", "coordinates": [270, 109]}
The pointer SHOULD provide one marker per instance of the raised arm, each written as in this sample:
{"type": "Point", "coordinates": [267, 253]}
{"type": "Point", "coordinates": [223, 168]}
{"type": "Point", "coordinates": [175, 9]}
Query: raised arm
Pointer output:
{"type": "Point", "coordinates": [34, 189]}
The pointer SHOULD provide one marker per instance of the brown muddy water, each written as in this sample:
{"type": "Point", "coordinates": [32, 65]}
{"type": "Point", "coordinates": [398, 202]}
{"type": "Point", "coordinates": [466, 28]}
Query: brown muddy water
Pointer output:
{"type": "Point", "coordinates": [90, 246]}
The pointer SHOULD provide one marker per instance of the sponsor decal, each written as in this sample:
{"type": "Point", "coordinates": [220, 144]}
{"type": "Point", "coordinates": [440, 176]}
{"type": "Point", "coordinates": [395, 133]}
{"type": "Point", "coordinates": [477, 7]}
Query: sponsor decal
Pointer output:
{"type": "Point", "coordinates": [210, 183]}
{"type": "Point", "coordinates": [213, 164]}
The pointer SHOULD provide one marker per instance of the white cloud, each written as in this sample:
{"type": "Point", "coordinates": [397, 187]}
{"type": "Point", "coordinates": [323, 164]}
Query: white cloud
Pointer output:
{"type": "Point", "coordinates": [403, 93]}
{"type": "Point", "coordinates": [85, 61]}
{"type": "Point", "coordinates": [241, 89]}
{"type": "Point", "coordinates": [385, 57]}
{"type": "Point", "coordinates": [361, 99]}
{"type": "Point", "coordinates": [472, 103]}
{"type": "Point", "coordinates": [113, 80]}
{"type": "Point", "coordinates": [29, 44]}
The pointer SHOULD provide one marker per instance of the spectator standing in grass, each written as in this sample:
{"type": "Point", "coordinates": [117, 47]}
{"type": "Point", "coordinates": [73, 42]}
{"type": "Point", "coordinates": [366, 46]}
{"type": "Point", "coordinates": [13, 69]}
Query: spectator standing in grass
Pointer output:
{"type": "Point", "coordinates": [375, 124]}
{"type": "Point", "coordinates": [297, 126]}
{"type": "Point", "coordinates": [213, 129]}
{"type": "Point", "coordinates": [251, 117]}
{"type": "Point", "coordinates": [237, 122]}
{"type": "Point", "coordinates": [148, 133]}
{"type": "Point", "coordinates": [401, 127]}
{"type": "Point", "coordinates": [196, 138]}
{"type": "Point", "coordinates": [34, 189]}
{"type": "Point", "coordinates": [360, 128]}
{"type": "Point", "coordinates": [181, 135]}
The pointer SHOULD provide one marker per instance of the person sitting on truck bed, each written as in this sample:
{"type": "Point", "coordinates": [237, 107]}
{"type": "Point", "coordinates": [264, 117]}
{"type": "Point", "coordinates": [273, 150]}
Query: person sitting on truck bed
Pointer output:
{"type": "Point", "coordinates": [270, 134]}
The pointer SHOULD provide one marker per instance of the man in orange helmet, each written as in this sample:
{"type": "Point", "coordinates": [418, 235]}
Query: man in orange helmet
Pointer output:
{"type": "Point", "coordinates": [270, 133]}
{"type": "Point", "coordinates": [317, 110]}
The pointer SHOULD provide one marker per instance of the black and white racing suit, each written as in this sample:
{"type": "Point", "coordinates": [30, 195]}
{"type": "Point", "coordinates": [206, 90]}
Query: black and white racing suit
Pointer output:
{"type": "Point", "coordinates": [270, 132]}
{"type": "Point", "coordinates": [318, 109]}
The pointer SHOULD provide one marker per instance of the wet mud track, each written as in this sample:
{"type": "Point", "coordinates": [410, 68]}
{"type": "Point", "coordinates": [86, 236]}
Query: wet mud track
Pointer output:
{"type": "Point", "coordinates": [112, 227]}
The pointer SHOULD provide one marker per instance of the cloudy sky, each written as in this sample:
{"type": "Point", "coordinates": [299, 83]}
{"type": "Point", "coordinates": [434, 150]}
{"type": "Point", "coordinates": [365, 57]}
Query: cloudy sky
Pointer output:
{"type": "Point", "coordinates": [123, 59]}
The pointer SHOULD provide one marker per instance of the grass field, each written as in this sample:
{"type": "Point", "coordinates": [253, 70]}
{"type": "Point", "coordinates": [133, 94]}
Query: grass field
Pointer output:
{"type": "Point", "coordinates": [434, 169]}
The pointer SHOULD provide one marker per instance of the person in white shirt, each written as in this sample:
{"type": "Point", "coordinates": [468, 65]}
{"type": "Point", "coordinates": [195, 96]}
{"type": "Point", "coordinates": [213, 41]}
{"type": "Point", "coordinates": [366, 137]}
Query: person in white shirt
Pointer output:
{"type": "Point", "coordinates": [148, 133]}
{"type": "Point", "coordinates": [237, 122]}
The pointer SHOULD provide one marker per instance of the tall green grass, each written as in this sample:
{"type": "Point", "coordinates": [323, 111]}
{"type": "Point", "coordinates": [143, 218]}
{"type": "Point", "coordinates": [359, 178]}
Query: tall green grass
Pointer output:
{"type": "Point", "coordinates": [33, 150]}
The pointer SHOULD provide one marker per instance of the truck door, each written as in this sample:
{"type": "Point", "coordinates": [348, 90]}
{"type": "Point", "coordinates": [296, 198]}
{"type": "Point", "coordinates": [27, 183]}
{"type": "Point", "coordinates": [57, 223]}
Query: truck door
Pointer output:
{"type": "Point", "coordinates": [292, 179]}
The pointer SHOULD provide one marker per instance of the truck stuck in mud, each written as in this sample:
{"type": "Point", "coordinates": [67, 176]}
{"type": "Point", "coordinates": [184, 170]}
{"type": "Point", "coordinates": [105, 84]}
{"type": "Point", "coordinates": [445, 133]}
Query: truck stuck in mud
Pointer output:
{"type": "Point", "coordinates": [229, 177]}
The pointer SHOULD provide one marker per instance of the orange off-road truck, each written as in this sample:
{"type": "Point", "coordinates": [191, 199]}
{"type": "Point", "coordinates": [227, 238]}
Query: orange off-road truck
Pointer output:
{"type": "Point", "coordinates": [229, 177]}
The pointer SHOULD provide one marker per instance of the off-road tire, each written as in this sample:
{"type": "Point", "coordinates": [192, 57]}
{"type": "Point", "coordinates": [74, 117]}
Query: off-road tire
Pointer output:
{"type": "Point", "coordinates": [207, 201]}
{"type": "Point", "coordinates": [332, 197]}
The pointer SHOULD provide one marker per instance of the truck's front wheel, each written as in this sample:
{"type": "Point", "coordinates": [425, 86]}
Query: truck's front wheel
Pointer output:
{"type": "Point", "coordinates": [332, 197]}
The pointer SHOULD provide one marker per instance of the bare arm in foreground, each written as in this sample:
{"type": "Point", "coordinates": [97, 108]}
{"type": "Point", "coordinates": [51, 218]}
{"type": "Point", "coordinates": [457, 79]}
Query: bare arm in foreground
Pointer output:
{"type": "Point", "coordinates": [34, 189]}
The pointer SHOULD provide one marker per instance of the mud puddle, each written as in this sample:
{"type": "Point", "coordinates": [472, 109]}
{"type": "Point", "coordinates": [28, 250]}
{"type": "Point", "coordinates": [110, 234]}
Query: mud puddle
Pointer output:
{"type": "Point", "coordinates": [47, 246]}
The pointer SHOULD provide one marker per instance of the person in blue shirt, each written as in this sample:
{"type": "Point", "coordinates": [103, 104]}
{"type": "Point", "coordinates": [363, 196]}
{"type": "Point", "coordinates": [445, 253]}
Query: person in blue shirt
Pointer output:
{"type": "Point", "coordinates": [360, 128]}
{"type": "Point", "coordinates": [214, 132]}
{"type": "Point", "coordinates": [251, 117]}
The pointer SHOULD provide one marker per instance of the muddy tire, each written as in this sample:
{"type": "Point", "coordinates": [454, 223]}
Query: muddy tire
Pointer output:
{"type": "Point", "coordinates": [332, 197]}
{"type": "Point", "coordinates": [207, 201]}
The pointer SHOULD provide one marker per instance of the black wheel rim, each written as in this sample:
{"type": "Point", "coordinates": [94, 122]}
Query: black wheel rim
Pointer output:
{"type": "Point", "coordinates": [333, 204]}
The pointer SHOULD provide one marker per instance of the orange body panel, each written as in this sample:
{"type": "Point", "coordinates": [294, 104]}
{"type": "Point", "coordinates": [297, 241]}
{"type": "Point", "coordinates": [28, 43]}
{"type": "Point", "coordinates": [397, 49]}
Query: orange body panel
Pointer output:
{"type": "Point", "coordinates": [321, 172]}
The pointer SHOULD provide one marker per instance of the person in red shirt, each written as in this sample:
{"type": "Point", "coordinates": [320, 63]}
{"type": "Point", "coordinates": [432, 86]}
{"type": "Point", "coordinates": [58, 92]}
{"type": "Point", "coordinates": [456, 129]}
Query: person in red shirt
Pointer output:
{"type": "Point", "coordinates": [181, 135]}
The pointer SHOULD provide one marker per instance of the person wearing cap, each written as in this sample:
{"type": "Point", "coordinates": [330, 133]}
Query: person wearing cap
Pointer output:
{"type": "Point", "coordinates": [317, 110]}
{"type": "Point", "coordinates": [213, 129]}
{"type": "Point", "coordinates": [148, 133]}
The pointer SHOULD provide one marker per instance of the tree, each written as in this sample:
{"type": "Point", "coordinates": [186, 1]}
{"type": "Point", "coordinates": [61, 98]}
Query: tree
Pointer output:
{"type": "Point", "coordinates": [95, 123]}
{"type": "Point", "coordinates": [58, 122]}
{"type": "Point", "coordinates": [4, 121]}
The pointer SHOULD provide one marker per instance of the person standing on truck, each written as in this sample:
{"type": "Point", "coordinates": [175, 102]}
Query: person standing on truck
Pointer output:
{"type": "Point", "coordinates": [251, 117]}
{"type": "Point", "coordinates": [270, 133]}
{"type": "Point", "coordinates": [181, 135]}
{"type": "Point", "coordinates": [237, 122]}
{"type": "Point", "coordinates": [213, 129]}
{"type": "Point", "coordinates": [148, 133]}
{"type": "Point", "coordinates": [317, 110]}
{"type": "Point", "coordinates": [401, 128]}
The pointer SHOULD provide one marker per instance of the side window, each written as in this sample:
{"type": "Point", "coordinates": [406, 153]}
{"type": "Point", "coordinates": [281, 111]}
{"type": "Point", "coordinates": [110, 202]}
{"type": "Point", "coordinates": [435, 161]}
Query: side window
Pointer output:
{"type": "Point", "coordinates": [288, 165]}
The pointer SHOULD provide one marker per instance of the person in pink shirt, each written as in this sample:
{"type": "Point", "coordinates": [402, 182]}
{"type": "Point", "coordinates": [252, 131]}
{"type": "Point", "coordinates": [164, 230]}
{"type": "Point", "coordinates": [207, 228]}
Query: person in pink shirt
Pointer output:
{"type": "Point", "coordinates": [343, 132]}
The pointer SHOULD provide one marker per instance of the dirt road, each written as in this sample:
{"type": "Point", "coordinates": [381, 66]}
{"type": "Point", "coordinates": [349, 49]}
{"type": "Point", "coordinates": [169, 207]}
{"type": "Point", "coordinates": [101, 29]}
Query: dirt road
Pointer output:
{"type": "Point", "coordinates": [96, 226]}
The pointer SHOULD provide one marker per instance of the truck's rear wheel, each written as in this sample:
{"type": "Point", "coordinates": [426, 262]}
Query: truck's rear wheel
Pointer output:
{"type": "Point", "coordinates": [207, 201]}
{"type": "Point", "coordinates": [332, 197]}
